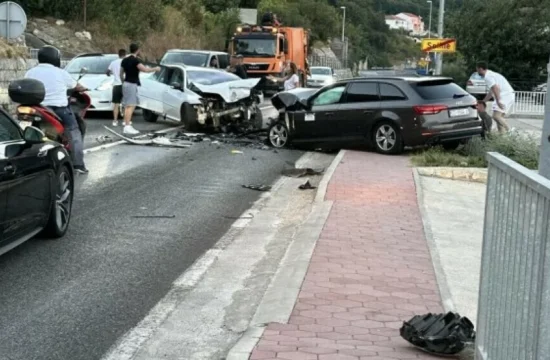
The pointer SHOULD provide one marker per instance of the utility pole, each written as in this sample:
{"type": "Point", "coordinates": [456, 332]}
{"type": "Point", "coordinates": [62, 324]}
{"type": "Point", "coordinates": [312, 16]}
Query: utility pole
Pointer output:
{"type": "Point", "coordinates": [84, 6]}
{"type": "Point", "coordinates": [430, 21]}
{"type": "Point", "coordinates": [439, 61]}
{"type": "Point", "coordinates": [544, 158]}
{"type": "Point", "coordinates": [343, 23]}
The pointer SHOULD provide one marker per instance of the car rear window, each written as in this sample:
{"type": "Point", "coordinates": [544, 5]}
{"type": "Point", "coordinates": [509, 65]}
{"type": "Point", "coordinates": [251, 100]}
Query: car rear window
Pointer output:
{"type": "Point", "coordinates": [438, 89]}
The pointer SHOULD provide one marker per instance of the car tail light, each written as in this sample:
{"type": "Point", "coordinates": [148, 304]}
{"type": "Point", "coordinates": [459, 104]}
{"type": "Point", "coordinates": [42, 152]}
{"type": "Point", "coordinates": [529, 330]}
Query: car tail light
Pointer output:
{"type": "Point", "coordinates": [429, 109]}
{"type": "Point", "coordinates": [470, 83]}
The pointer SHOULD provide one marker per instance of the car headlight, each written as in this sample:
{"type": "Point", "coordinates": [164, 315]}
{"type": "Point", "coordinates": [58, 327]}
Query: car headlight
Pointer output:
{"type": "Point", "coordinates": [105, 85]}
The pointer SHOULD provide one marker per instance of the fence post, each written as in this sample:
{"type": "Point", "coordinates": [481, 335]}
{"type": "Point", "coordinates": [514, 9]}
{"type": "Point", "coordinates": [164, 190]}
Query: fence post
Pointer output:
{"type": "Point", "coordinates": [544, 160]}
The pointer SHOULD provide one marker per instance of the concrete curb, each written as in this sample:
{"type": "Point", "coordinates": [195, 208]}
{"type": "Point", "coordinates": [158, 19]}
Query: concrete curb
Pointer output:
{"type": "Point", "coordinates": [444, 290]}
{"type": "Point", "coordinates": [323, 184]}
{"type": "Point", "coordinates": [455, 173]}
{"type": "Point", "coordinates": [279, 299]}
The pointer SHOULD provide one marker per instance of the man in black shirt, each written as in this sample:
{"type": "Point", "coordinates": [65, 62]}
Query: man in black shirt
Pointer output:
{"type": "Point", "coordinates": [129, 75]}
{"type": "Point", "coordinates": [237, 66]}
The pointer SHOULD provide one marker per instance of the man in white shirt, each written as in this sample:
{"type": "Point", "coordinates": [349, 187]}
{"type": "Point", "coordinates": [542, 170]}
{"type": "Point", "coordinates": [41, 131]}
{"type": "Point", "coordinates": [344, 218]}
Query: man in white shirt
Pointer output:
{"type": "Point", "coordinates": [501, 92]}
{"type": "Point", "coordinates": [114, 69]}
{"type": "Point", "coordinates": [56, 83]}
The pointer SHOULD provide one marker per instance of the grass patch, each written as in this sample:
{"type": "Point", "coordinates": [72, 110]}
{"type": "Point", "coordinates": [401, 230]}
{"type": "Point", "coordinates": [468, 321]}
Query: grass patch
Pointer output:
{"type": "Point", "coordinates": [521, 148]}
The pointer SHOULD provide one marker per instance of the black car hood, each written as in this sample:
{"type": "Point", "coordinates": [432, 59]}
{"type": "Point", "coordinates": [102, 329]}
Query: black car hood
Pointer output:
{"type": "Point", "coordinates": [291, 100]}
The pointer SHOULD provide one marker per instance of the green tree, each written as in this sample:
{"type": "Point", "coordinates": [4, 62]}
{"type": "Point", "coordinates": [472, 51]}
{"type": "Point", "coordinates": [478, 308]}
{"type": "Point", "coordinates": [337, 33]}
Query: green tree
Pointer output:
{"type": "Point", "coordinates": [216, 6]}
{"type": "Point", "coordinates": [513, 36]}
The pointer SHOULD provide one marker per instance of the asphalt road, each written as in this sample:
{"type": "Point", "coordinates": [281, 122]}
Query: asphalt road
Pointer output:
{"type": "Point", "coordinates": [72, 298]}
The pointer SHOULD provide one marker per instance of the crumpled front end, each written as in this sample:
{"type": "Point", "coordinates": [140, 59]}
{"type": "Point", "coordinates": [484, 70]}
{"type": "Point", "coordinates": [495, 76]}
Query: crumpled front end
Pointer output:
{"type": "Point", "coordinates": [292, 100]}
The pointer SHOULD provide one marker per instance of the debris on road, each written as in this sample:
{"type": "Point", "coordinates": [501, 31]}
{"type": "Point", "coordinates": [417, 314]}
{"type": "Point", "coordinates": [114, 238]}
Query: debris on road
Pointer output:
{"type": "Point", "coordinates": [307, 186]}
{"type": "Point", "coordinates": [236, 152]}
{"type": "Point", "coordinates": [153, 140]}
{"type": "Point", "coordinates": [442, 334]}
{"type": "Point", "coordinates": [104, 139]}
{"type": "Point", "coordinates": [301, 172]}
{"type": "Point", "coordinates": [257, 187]}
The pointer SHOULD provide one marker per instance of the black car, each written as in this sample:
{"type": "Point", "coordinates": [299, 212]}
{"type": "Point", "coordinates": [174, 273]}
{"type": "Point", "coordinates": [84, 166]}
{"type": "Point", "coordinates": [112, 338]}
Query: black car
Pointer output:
{"type": "Point", "coordinates": [388, 113]}
{"type": "Point", "coordinates": [36, 185]}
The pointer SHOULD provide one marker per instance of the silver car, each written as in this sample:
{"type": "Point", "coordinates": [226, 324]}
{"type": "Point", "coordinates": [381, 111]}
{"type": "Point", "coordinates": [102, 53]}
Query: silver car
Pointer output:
{"type": "Point", "coordinates": [200, 97]}
{"type": "Point", "coordinates": [476, 86]}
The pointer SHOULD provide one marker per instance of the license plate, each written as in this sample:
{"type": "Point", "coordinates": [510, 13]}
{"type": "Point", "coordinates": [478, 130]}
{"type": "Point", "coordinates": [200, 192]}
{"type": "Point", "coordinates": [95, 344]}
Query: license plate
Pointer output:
{"type": "Point", "coordinates": [310, 117]}
{"type": "Point", "coordinates": [459, 112]}
{"type": "Point", "coordinates": [25, 124]}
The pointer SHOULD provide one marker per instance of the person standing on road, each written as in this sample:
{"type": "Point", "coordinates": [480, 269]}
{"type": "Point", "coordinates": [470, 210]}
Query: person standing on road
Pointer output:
{"type": "Point", "coordinates": [114, 69]}
{"type": "Point", "coordinates": [501, 92]}
{"type": "Point", "coordinates": [237, 67]}
{"type": "Point", "coordinates": [57, 82]}
{"type": "Point", "coordinates": [130, 67]}
{"type": "Point", "coordinates": [291, 80]}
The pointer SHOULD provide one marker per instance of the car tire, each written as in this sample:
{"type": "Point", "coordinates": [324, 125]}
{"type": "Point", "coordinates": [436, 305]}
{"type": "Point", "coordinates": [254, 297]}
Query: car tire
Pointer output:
{"type": "Point", "coordinates": [387, 138]}
{"type": "Point", "coordinates": [451, 145]}
{"type": "Point", "coordinates": [149, 116]}
{"type": "Point", "coordinates": [61, 207]}
{"type": "Point", "coordinates": [189, 118]}
{"type": "Point", "coordinates": [278, 135]}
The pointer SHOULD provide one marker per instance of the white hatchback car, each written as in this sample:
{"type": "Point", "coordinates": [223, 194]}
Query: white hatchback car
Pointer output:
{"type": "Point", "coordinates": [96, 79]}
{"type": "Point", "coordinates": [320, 76]}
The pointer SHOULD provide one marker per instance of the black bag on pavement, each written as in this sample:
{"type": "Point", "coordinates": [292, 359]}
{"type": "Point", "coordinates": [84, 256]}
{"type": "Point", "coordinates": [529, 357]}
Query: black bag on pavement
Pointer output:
{"type": "Point", "coordinates": [442, 334]}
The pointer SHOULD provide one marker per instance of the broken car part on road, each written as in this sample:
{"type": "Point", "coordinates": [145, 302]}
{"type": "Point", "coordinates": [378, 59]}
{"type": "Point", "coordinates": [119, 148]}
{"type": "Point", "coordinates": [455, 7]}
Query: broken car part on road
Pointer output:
{"type": "Point", "coordinates": [257, 187]}
{"type": "Point", "coordinates": [301, 172]}
{"type": "Point", "coordinates": [442, 334]}
{"type": "Point", "coordinates": [158, 140]}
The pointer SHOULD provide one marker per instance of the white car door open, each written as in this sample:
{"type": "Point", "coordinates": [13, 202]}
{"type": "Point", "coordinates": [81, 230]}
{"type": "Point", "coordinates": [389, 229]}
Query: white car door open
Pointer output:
{"type": "Point", "coordinates": [150, 91]}
{"type": "Point", "coordinates": [174, 94]}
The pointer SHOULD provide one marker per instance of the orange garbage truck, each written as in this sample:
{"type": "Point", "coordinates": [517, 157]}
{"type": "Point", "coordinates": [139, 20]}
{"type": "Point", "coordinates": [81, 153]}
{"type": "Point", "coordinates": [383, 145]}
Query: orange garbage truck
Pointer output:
{"type": "Point", "coordinates": [266, 49]}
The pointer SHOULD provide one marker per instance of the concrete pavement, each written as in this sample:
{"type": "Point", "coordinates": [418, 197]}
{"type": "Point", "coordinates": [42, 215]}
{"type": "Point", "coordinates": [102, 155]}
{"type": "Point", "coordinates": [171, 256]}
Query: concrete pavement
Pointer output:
{"type": "Point", "coordinates": [74, 297]}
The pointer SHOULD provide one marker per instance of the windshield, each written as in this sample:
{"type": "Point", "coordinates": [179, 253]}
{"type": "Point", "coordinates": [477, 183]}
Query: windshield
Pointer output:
{"type": "Point", "coordinates": [476, 76]}
{"type": "Point", "coordinates": [320, 71]}
{"type": "Point", "coordinates": [439, 89]}
{"type": "Point", "coordinates": [256, 47]}
{"type": "Point", "coordinates": [187, 58]}
{"type": "Point", "coordinates": [94, 64]}
{"type": "Point", "coordinates": [210, 77]}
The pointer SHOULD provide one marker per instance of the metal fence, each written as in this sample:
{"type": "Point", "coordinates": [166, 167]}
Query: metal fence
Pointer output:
{"type": "Point", "coordinates": [333, 62]}
{"type": "Point", "coordinates": [529, 103]}
{"type": "Point", "coordinates": [513, 319]}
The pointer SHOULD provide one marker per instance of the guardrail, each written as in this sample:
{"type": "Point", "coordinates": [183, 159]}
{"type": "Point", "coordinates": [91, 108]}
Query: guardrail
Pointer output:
{"type": "Point", "coordinates": [513, 320]}
{"type": "Point", "coordinates": [529, 103]}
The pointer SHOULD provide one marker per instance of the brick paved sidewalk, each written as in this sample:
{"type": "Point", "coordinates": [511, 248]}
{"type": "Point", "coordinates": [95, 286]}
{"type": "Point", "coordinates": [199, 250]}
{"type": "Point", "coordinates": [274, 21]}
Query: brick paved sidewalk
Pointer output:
{"type": "Point", "coordinates": [370, 271]}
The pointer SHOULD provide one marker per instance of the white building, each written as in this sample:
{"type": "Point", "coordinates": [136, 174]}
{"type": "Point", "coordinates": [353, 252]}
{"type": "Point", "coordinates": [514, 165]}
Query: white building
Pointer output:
{"type": "Point", "coordinates": [415, 23]}
{"type": "Point", "coordinates": [395, 22]}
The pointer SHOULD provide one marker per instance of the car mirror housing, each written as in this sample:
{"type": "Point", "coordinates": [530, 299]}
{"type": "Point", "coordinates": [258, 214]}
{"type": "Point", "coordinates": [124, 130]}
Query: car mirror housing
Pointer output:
{"type": "Point", "coordinates": [33, 135]}
{"type": "Point", "coordinates": [305, 103]}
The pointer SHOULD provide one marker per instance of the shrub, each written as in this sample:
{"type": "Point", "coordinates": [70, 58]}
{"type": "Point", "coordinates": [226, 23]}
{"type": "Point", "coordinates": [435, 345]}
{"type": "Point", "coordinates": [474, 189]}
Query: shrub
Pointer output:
{"type": "Point", "coordinates": [521, 148]}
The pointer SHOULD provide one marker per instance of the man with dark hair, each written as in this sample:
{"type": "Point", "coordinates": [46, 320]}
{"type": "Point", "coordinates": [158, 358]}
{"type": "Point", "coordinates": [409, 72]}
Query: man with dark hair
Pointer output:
{"type": "Point", "coordinates": [130, 68]}
{"type": "Point", "coordinates": [237, 66]}
{"type": "Point", "coordinates": [501, 92]}
{"type": "Point", "coordinates": [114, 69]}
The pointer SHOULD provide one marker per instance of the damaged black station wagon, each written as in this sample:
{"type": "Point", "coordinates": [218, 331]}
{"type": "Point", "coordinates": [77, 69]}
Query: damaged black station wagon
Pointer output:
{"type": "Point", "coordinates": [387, 113]}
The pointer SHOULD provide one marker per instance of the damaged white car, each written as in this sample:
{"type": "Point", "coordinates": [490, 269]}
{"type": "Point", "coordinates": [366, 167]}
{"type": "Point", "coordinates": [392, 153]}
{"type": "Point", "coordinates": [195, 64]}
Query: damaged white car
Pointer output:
{"type": "Point", "coordinates": [200, 97]}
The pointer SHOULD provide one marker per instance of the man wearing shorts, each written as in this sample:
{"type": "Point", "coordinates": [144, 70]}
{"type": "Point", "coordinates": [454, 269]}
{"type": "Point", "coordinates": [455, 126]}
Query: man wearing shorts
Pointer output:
{"type": "Point", "coordinates": [501, 92]}
{"type": "Point", "coordinates": [130, 68]}
{"type": "Point", "coordinates": [114, 69]}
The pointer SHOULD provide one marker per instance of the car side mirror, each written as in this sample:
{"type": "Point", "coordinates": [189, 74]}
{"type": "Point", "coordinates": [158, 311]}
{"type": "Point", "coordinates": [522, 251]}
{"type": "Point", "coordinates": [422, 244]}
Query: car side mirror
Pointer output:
{"type": "Point", "coordinates": [33, 135]}
{"type": "Point", "coordinates": [305, 103]}
{"type": "Point", "coordinates": [83, 71]}
{"type": "Point", "coordinates": [177, 86]}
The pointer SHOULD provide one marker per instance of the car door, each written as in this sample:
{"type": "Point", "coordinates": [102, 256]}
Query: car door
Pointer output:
{"type": "Point", "coordinates": [321, 120]}
{"type": "Point", "coordinates": [26, 175]}
{"type": "Point", "coordinates": [151, 90]}
{"type": "Point", "coordinates": [360, 104]}
{"type": "Point", "coordinates": [173, 97]}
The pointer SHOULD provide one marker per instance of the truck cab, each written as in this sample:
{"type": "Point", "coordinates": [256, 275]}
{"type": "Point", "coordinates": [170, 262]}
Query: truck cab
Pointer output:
{"type": "Point", "coordinates": [266, 49]}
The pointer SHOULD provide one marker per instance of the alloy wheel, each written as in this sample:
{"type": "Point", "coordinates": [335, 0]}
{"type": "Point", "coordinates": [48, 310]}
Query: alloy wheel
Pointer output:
{"type": "Point", "coordinates": [386, 137]}
{"type": "Point", "coordinates": [63, 201]}
{"type": "Point", "coordinates": [278, 135]}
